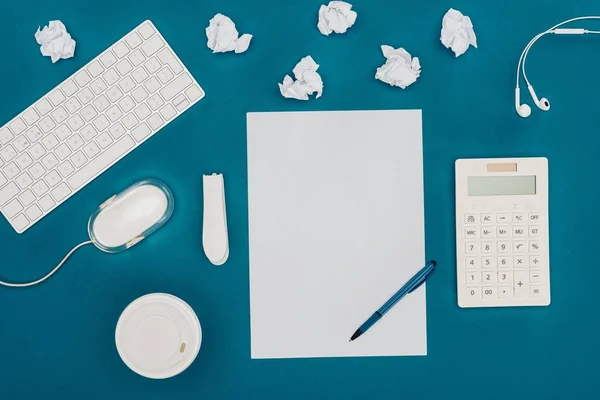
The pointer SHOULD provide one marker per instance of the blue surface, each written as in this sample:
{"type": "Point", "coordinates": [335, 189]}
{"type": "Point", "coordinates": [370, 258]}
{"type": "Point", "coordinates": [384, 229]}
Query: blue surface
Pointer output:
{"type": "Point", "coordinates": [57, 339]}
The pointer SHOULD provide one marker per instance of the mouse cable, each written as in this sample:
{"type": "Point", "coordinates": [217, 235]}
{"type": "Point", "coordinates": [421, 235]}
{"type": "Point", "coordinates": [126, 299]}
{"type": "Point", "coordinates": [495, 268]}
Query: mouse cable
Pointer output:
{"type": "Point", "coordinates": [51, 272]}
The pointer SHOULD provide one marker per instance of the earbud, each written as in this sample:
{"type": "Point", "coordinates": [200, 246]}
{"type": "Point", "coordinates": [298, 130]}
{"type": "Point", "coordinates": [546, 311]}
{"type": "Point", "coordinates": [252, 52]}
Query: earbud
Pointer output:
{"type": "Point", "coordinates": [543, 103]}
{"type": "Point", "coordinates": [522, 109]}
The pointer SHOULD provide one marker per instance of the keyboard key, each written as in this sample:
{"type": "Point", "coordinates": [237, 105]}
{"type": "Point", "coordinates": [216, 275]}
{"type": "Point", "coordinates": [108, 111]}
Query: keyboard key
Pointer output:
{"type": "Point", "coordinates": [39, 188]}
{"type": "Point", "coordinates": [518, 231]}
{"type": "Point", "coordinates": [3, 179]}
{"type": "Point", "coordinates": [117, 130]}
{"type": "Point", "coordinates": [194, 93]}
{"type": "Point", "coordinates": [127, 84]}
{"type": "Point", "coordinates": [17, 126]}
{"type": "Point", "coordinates": [66, 169]}
{"type": "Point", "coordinates": [33, 212]}
{"type": "Point", "coordinates": [56, 97]}
{"type": "Point", "coordinates": [488, 277]}
{"type": "Point", "coordinates": [31, 116]}
{"type": "Point", "coordinates": [46, 202]}
{"type": "Point", "coordinates": [5, 135]}
{"type": "Point", "coordinates": [108, 59]}
{"type": "Point", "coordinates": [136, 57]}
{"type": "Point", "coordinates": [88, 132]}
{"type": "Point", "coordinates": [520, 262]}
{"type": "Point", "coordinates": [519, 246]}
{"type": "Point", "coordinates": [488, 262]}
{"type": "Point", "coordinates": [94, 68]}
{"type": "Point", "coordinates": [8, 192]}
{"type": "Point", "coordinates": [98, 86]}
{"type": "Point", "coordinates": [534, 231]}
{"type": "Point", "coordinates": [472, 247]}
{"type": "Point", "coordinates": [34, 134]}
{"type": "Point", "coordinates": [53, 179]}
{"type": "Point", "coordinates": [139, 94]}
{"type": "Point", "coordinates": [168, 112]}
{"type": "Point", "coordinates": [75, 142]}
{"type": "Point", "coordinates": [50, 141]}
{"type": "Point", "coordinates": [72, 105]}
{"type": "Point", "coordinates": [24, 180]}
{"type": "Point", "coordinates": [120, 49]}
{"type": "Point", "coordinates": [75, 122]}
{"type": "Point", "coordinates": [126, 103]}
{"type": "Point", "coordinates": [69, 87]}
{"type": "Point", "coordinates": [24, 161]}
{"type": "Point", "coordinates": [104, 140]}
{"type": "Point", "coordinates": [11, 170]}
{"type": "Point", "coordinates": [8, 153]}
{"type": "Point", "coordinates": [146, 30]}
{"type": "Point", "coordinates": [165, 75]}
{"type": "Point", "coordinates": [141, 132]}
{"type": "Point", "coordinates": [91, 149]}
{"type": "Point", "coordinates": [12, 208]}
{"type": "Point", "coordinates": [518, 217]}
{"type": "Point", "coordinates": [505, 262]}
{"type": "Point", "coordinates": [133, 40]}
{"type": "Point", "coordinates": [139, 75]}
{"type": "Point", "coordinates": [155, 121]}
{"type": "Point", "coordinates": [124, 67]}
{"type": "Point", "coordinates": [504, 276]}
{"type": "Point", "coordinates": [167, 57]}
{"type": "Point", "coordinates": [534, 246]}
{"type": "Point", "coordinates": [82, 78]}
{"type": "Point", "coordinates": [534, 218]}
{"type": "Point", "coordinates": [88, 113]}
{"type": "Point", "coordinates": [47, 124]}
{"type": "Point", "coordinates": [107, 158]}
{"type": "Point", "coordinates": [152, 46]}
{"type": "Point", "coordinates": [142, 112]}
{"type": "Point", "coordinates": [535, 261]}
{"type": "Point", "coordinates": [181, 102]}
{"type": "Point", "coordinates": [78, 159]}
{"type": "Point", "coordinates": [473, 293]}
{"type": "Point", "coordinates": [59, 115]}
{"type": "Point", "coordinates": [503, 247]}
{"type": "Point", "coordinates": [21, 143]}
{"type": "Point", "coordinates": [486, 219]}
{"type": "Point", "coordinates": [487, 247]}
{"type": "Point", "coordinates": [20, 222]}
{"type": "Point", "coordinates": [114, 94]}
{"type": "Point", "coordinates": [472, 277]}
{"type": "Point", "coordinates": [36, 151]}
{"type": "Point", "coordinates": [520, 284]}
{"type": "Point", "coordinates": [63, 151]}
{"type": "Point", "coordinates": [43, 106]}
{"type": "Point", "coordinates": [27, 197]}
{"type": "Point", "coordinates": [129, 121]}
{"type": "Point", "coordinates": [502, 231]}
{"type": "Point", "coordinates": [101, 103]}
{"type": "Point", "coordinates": [114, 113]}
{"type": "Point", "coordinates": [487, 232]}
{"type": "Point", "coordinates": [472, 263]}
{"type": "Point", "coordinates": [504, 291]}
{"type": "Point", "coordinates": [101, 123]}
{"type": "Point", "coordinates": [535, 276]}
{"type": "Point", "coordinates": [152, 84]}
{"type": "Point", "coordinates": [111, 77]}
{"type": "Point", "coordinates": [489, 292]}
{"type": "Point", "coordinates": [152, 65]}
{"type": "Point", "coordinates": [470, 232]}
{"type": "Point", "coordinates": [37, 171]}
{"type": "Point", "coordinates": [184, 80]}
{"type": "Point", "coordinates": [85, 95]}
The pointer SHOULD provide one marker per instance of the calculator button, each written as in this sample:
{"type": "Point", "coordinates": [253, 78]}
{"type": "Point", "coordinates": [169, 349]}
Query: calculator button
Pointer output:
{"type": "Point", "coordinates": [472, 263]}
{"type": "Point", "coordinates": [472, 277]}
{"type": "Point", "coordinates": [520, 262]}
{"type": "Point", "coordinates": [488, 262]}
{"type": "Point", "coordinates": [520, 284]}
{"type": "Point", "coordinates": [503, 218]}
{"type": "Point", "coordinates": [535, 291]}
{"type": "Point", "coordinates": [487, 247]}
{"type": "Point", "coordinates": [534, 246]}
{"type": "Point", "coordinates": [504, 276]}
{"type": "Point", "coordinates": [535, 276]}
{"type": "Point", "coordinates": [487, 233]}
{"type": "Point", "coordinates": [473, 292]}
{"type": "Point", "coordinates": [505, 262]}
{"type": "Point", "coordinates": [518, 231]}
{"type": "Point", "coordinates": [488, 277]}
{"type": "Point", "coordinates": [470, 233]}
{"type": "Point", "coordinates": [489, 292]}
{"type": "Point", "coordinates": [486, 219]}
{"type": "Point", "coordinates": [519, 217]}
{"type": "Point", "coordinates": [504, 291]}
{"type": "Point", "coordinates": [472, 247]}
{"type": "Point", "coordinates": [503, 247]}
{"type": "Point", "coordinates": [471, 219]}
{"type": "Point", "coordinates": [534, 231]}
{"type": "Point", "coordinates": [535, 261]}
{"type": "Point", "coordinates": [519, 246]}
{"type": "Point", "coordinates": [534, 217]}
{"type": "Point", "coordinates": [502, 231]}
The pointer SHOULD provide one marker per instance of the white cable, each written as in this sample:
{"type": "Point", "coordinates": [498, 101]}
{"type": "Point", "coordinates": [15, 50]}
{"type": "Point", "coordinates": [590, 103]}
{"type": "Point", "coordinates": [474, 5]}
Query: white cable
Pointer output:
{"type": "Point", "coordinates": [51, 272]}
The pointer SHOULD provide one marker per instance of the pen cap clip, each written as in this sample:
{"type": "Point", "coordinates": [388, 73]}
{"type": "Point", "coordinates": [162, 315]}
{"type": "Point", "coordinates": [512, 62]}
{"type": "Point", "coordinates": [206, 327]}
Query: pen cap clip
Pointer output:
{"type": "Point", "coordinates": [425, 276]}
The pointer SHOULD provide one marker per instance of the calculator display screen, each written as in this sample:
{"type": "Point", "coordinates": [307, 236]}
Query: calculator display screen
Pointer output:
{"type": "Point", "coordinates": [501, 185]}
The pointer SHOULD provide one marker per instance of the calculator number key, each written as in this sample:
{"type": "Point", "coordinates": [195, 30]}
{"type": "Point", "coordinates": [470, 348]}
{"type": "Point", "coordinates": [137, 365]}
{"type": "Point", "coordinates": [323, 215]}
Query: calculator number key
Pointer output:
{"type": "Point", "coordinates": [487, 247]}
{"type": "Point", "coordinates": [504, 276]}
{"type": "Point", "coordinates": [473, 293]}
{"type": "Point", "coordinates": [488, 277]}
{"type": "Point", "coordinates": [472, 277]}
{"type": "Point", "coordinates": [488, 262]}
{"type": "Point", "coordinates": [489, 292]}
{"type": "Point", "coordinates": [503, 247]}
{"type": "Point", "coordinates": [472, 247]}
{"type": "Point", "coordinates": [472, 263]}
{"type": "Point", "coordinates": [505, 262]}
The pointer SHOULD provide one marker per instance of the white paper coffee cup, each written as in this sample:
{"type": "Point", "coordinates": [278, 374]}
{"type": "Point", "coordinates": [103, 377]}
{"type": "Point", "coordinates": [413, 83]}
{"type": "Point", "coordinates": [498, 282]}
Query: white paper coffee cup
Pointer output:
{"type": "Point", "coordinates": [158, 336]}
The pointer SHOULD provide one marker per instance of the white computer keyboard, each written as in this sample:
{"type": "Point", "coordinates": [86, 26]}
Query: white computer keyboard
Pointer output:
{"type": "Point", "coordinates": [502, 240]}
{"type": "Point", "coordinates": [89, 122]}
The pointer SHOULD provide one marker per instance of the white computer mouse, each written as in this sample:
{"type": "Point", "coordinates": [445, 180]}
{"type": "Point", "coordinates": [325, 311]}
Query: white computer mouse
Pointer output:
{"type": "Point", "coordinates": [130, 216]}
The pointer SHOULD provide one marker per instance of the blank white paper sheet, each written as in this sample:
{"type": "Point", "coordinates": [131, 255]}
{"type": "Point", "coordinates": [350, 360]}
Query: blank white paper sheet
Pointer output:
{"type": "Point", "coordinates": [336, 224]}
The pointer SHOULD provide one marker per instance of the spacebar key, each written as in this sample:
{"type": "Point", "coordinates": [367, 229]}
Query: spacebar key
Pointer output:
{"type": "Point", "coordinates": [100, 163]}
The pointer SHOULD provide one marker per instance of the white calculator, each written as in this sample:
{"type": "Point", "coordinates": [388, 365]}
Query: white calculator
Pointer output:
{"type": "Point", "coordinates": [502, 241]}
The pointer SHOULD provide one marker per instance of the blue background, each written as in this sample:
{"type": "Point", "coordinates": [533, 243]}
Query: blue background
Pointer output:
{"type": "Point", "coordinates": [57, 339]}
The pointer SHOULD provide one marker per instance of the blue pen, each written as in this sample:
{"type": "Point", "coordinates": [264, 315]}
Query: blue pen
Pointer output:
{"type": "Point", "coordinates": [410, 286]}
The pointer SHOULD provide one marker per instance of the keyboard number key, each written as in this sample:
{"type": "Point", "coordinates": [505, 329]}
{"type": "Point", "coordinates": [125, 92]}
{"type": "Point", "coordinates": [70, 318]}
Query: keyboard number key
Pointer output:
{"type": "Point", "coordinates": [43, 106]}
{"type": "Point", "coordinates": [472, 248]}
{"type": "Point", "coordinates": [136, 57]}
{"type": "Point", "coordinates": [31, 116]}
{"type": "Point", "coordinates": [95, 68]}
{"type": "Point", "coordinates": [488, 262]}
{"type": "Point", "coordinates": [120, 49]}
{"type": "Point", "coordinates": [111, 77]}
{"type": "Point", "coordinates": [69, 87]}
{"type": "Point", "coordinates": [5, 135]}
{"type": "Point", "coordinates": [82, 78]}
{"type": "Point", "coordinates": [56, 97]}
{"type": "Point", "coordinates": [133, 40]}
{"type": "Point", "coordinates": [472, 263]}
{"type": "Point", "coordinates": [50, 141]}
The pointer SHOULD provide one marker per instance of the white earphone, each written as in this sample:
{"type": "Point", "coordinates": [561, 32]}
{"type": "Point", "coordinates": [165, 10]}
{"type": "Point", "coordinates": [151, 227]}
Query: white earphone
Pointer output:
{"type": "Point", "coordinates": [543, 104]}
